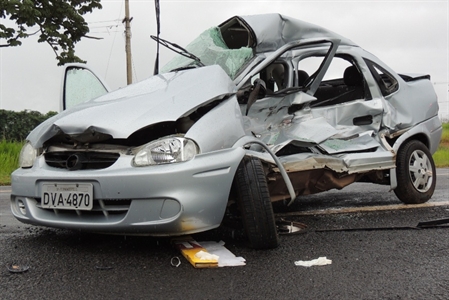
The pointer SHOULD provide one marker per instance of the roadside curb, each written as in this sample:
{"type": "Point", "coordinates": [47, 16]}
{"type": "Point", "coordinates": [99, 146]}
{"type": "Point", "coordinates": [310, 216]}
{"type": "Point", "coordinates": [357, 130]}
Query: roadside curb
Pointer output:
{"type": "Point", "coordinates": [5, 188]}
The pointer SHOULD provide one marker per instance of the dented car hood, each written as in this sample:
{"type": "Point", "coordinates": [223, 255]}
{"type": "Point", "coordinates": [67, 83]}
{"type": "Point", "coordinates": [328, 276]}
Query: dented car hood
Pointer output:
{"type": "Point", "coordinates": [164, 97]}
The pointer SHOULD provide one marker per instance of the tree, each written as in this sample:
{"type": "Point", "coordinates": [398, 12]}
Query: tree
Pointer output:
{"type": "Point", "coordinates": [59, 23]}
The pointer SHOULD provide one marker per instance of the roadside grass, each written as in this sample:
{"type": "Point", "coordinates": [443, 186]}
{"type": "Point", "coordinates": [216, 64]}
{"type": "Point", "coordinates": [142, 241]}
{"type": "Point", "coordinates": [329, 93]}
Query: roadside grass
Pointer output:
{"type": "Point", "coordinates": [9, 156]}
{"type": "Point", "coordinates": [441, 157]}
{"type": "Point", "coordinates": [9, 160]}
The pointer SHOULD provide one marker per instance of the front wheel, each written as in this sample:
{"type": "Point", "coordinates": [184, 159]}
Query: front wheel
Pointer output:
{"type": "Point", "coordinates": [254, 204]}
{"type": "Point", "coordinates": [415, 172]}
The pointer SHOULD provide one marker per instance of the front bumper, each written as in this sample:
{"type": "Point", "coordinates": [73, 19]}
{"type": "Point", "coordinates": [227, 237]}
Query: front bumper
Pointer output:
{"type": "Point", "coordinates": [172, 199]}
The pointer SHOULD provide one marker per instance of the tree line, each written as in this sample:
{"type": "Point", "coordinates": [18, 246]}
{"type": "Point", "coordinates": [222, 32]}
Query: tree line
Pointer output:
{"type": "Point", "coordinates": [15, 126]}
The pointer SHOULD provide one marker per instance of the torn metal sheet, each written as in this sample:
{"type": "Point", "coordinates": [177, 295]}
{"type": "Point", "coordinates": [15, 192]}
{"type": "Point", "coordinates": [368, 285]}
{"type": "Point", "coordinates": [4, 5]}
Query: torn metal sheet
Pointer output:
{"type": "Point", "coordinates": [275, 30]}
{"type": "Point", "coordinates": [310, 131]}
{"type": "Point", "coordinates": [286, 227]}
{"type": "Point", "coordinates": [359, 143]}
{"type": "Point", "coordinates": [431, 223]}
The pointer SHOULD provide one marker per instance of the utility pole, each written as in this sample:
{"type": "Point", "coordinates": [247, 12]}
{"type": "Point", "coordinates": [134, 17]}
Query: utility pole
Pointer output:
{"type": "Point", "coordinates": [127, 21]}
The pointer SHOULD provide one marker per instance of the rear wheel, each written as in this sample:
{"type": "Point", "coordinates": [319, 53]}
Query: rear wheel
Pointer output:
{"type": "Point", "coordinates": [255, 205]}
{"type": "Point", "coordinates": [415, 173]}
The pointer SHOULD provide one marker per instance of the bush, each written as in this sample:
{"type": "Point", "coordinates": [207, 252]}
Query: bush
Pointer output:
{"type": "Point", "coordinates": [15, 126]}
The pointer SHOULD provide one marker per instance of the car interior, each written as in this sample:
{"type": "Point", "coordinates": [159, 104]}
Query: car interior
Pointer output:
{"type": "Point", "coordinates": [346, 84]}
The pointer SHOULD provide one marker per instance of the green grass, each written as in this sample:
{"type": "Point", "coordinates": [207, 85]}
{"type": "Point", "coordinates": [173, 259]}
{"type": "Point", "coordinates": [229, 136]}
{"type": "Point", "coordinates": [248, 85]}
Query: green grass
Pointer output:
{"type": "Point", "coordinates": [9, 160]}
{"type": "Point", "coordinates": [9, 156]}
{"type": "Point", "coordinates": [441, 157]}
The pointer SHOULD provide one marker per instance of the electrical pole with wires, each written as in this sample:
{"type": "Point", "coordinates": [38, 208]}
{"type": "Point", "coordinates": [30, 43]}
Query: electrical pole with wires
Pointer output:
{"type": "Point", "coordinates": [127, 20]}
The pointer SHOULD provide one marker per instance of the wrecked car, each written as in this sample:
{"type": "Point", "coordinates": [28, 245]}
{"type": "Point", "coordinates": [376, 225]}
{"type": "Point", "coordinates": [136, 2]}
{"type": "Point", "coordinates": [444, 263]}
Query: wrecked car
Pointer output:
{"type": "Point", "coordinates": [258, 109]}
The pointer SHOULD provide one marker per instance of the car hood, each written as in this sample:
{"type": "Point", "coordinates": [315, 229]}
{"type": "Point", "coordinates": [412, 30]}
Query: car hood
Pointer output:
{"type": "Point", "coordinates": [164, 97]}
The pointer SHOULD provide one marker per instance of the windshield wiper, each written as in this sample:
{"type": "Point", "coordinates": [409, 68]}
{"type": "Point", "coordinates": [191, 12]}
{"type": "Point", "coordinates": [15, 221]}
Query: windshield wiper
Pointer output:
{"type": "Point", "coordinates": [177, 49]}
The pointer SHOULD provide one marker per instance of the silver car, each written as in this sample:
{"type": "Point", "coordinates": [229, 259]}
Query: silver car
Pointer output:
{"type": "Point", "coordinates": [261, 108]}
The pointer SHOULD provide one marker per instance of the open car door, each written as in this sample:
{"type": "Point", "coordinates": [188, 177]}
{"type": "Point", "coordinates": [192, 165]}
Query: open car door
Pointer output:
{"type": "Point", "coordinates": [80, 84]}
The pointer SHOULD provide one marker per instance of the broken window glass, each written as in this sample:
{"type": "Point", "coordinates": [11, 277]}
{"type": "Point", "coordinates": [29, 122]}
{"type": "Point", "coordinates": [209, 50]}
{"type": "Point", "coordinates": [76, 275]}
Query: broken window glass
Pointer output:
{"type": "Point", "coordinates": [212, 50]}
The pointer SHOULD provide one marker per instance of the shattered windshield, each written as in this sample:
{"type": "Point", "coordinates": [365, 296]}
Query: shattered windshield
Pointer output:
{"type": "Point", "coordinates": [212, 50]}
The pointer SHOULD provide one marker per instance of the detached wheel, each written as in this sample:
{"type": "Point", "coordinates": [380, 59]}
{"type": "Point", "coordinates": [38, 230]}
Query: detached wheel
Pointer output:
{"type": "Point", "coordinates": [415, 172]}
{"type": "Point", "coordinates": [255, 205]}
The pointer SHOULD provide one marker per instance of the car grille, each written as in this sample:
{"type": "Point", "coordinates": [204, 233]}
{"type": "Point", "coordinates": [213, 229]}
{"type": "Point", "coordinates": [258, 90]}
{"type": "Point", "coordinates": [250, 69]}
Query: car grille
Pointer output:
{"type": "Point", "coordinates": [102, 207]}
{"type": "Point", "coordinates": [73, 160]}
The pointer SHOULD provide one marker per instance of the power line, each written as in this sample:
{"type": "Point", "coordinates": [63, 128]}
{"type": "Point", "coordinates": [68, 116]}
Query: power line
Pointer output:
{"type": "Point", "coordinates": [108, 31]}
{"type": "Point", "coordinates": [116, 20]}
{"type": "Point", "coordinates": [104, 26]}
{"type": "Point", "coordinates": [112, 46]}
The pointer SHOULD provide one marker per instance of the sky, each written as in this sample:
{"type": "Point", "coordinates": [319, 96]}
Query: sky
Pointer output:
{"type": "Point", "coordinates": [409, 36]}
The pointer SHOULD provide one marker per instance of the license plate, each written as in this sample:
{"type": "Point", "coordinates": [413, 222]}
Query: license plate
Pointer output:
{"type": "Point", "coordinates": [67, 196]}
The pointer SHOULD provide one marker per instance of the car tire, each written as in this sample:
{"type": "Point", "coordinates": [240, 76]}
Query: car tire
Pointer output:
{"type": "Point", "coordinates": [416, 174]}
{"type": "Point", "coordinates": [255, 205]}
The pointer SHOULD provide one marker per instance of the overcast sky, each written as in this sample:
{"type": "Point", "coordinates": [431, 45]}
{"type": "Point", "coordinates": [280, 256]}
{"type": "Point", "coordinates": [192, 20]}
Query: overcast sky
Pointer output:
{"type": "Point", "coordinates": [409, 36]}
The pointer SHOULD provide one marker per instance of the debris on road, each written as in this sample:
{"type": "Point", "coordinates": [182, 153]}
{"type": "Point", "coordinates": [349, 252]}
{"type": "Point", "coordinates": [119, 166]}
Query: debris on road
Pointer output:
{"type": "Point", "coordinates": [175, 261]}
{"type": "Point", "coordinates": [189, 248]}
{"type": "Point", "coordinates": [225, 257]}
{"type": "Point", "coordinates": [15, 268]}
{"type": "Point", "coordinates": [203, 255]}
{"type": "Point", "coordinates": [290, 227]}
{"type": "Point", "coordinates": [321, 261]}
{"type": "Point", "coordinates": [207, 254]}
{"type": "Point", "coordinates": [433, 223]}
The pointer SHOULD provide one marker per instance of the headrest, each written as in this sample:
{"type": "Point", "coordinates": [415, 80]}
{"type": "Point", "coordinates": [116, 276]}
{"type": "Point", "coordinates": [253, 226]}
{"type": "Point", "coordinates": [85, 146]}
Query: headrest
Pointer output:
{"type": "Point", "coordinates": [352, 77]}
{"type": "Point", "coordinates": [302, 77]}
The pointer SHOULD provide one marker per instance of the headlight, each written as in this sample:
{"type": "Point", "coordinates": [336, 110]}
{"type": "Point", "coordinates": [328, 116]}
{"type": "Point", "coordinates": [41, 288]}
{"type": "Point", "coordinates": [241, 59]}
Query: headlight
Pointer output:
{"type": "Point", "coordinates": [27, 156]}
{"type": "Point", "coordinates": [167, 150]}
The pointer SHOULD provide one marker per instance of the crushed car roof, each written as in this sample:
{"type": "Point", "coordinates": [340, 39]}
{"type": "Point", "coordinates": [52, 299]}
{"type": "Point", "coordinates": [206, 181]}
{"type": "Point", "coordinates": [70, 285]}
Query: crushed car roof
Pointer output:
{"type": "Point", "coordinates": [271, 31]}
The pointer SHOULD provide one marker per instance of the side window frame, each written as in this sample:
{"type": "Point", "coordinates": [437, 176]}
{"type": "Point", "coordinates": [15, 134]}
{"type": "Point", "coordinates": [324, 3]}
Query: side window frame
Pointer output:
{"type": "Point", "coordinates": [385, 90]}
{"type": "Point", "coordinates": [342, 95]}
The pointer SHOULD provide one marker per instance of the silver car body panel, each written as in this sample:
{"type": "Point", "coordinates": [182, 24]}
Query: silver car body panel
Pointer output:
{"type": "Point", "coordinates": [165, 97]}
{"type": "Point", "coordinates": [163, 200]}
{"type": "Point", "coordinates": [275, 30]}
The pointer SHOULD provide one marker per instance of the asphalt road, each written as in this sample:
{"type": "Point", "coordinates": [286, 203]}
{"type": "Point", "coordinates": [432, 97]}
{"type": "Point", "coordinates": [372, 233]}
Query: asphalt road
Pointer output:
{"type": "Point", "coordinates": [377, 252]}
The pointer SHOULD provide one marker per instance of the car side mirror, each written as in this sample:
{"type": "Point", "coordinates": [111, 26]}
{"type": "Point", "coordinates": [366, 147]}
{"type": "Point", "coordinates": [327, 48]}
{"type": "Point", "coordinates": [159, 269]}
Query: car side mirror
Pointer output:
{"type": "Point", "coordinates": [80, 84]}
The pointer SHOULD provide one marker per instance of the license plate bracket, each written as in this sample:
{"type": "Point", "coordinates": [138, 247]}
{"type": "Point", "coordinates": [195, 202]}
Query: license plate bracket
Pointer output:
{"type": "Point", "coordinates": [71, 196]}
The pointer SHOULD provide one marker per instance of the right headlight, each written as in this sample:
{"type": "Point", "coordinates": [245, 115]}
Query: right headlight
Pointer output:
{"type": "Point", "coordinates": [28, 155]}
{"type": "Point", "coordinates": [171, 149]}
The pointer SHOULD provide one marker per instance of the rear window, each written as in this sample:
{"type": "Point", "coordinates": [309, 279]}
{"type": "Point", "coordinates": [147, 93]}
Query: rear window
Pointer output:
{"type": "Point", "coordinates": [387, 83]}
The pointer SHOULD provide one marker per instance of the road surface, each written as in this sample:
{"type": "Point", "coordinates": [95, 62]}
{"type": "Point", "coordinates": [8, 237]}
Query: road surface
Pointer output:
{"type": "Point", "coordinates": [377, 252]}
